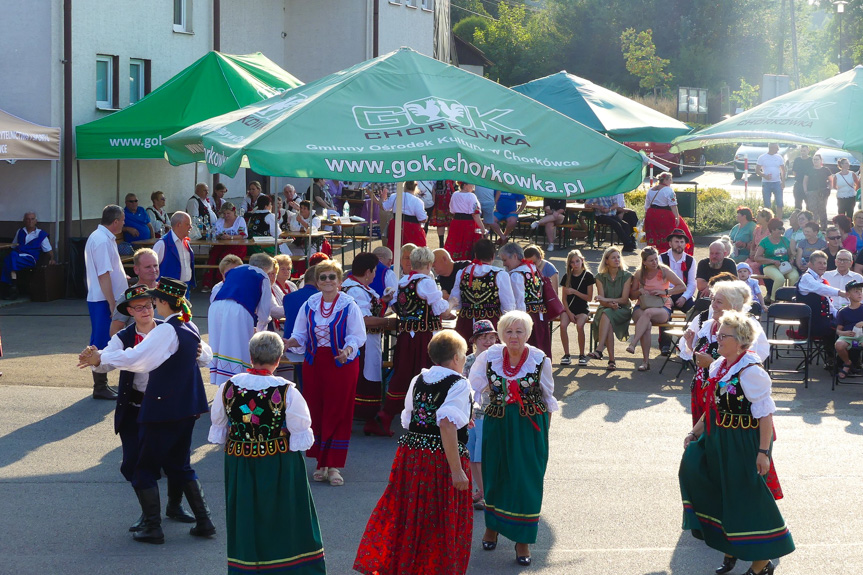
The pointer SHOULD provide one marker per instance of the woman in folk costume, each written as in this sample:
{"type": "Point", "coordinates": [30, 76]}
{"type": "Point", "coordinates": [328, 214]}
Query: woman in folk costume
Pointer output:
{"type": "Point", "coordinates": [264, 424]}
{"type": "Point", "coordinates": [423, 522]}
{"type": "Point", "coordinates": [527, 293]}
{"type": "Point", "coordinates": [518, 379]}
{"type": "Point", "coordinates": [369, 384]}
{"type": "Point", "coordinates": [466, 227]}
{"type": "Point", "coordinates": [441, 216]}
{"type": "Point", "coordinates": [419, 304]}
{"type": "Point", "coordinates": [330, 330]}
{"type": "Point", "coordinates": [229, 226]}
{"type": "Point", "coordinates": [481, 291]}
{"type": "Point", "coordinates": [241, 306]}
{"type": "Point", "coordinates": [413, 217]}
{"type": "Point", "coordinates": [661, 216]}
{"type": "Point", "coordinates": [726, 501]}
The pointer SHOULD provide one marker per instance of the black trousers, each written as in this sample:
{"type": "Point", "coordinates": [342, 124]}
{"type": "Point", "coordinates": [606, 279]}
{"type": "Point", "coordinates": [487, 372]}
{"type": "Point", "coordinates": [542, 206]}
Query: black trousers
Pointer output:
{"type": "Point", "coordinates": [622, 228]}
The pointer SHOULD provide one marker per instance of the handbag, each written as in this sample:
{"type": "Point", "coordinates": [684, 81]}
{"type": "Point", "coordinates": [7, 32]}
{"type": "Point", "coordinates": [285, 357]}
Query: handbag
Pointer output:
{"type": "Point", "coordinates": [553, 306]}
{"type": "Point", "coordinates": [647, 301]}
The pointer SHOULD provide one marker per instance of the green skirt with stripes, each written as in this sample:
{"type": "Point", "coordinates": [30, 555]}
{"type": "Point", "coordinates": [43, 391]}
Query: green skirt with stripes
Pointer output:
{"type": "Point", "coordinates": [725, 502]}
{"type": "Point", "coordinates": [514, 458]}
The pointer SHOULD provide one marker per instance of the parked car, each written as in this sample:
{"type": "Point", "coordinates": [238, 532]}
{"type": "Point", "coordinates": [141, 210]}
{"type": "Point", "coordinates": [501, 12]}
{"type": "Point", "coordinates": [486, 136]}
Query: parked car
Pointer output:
{"type": "Point", "coordinates": [692, 160]}
{"type": "Point", "coordinates": [830, 157]}
{"type": "Point", "coordinates": [751, 152]}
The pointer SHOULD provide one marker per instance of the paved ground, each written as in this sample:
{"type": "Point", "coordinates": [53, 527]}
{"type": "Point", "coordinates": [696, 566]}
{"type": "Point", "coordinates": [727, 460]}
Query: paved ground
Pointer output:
{"type": "Point", "coordinates": [611, 497]}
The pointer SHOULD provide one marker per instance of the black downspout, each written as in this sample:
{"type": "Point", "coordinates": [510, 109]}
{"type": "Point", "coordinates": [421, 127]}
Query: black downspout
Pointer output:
{"type": "Point", "coordinates": [375, 28]}
{"type": "Point", "coordinates": [68, 128]}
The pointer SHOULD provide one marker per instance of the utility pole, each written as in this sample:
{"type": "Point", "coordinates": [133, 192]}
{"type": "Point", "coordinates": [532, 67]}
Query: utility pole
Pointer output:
{"type": "Point", "coordinates": [781, 37]}
{"type": "Point", "coordinates": [794, 45]}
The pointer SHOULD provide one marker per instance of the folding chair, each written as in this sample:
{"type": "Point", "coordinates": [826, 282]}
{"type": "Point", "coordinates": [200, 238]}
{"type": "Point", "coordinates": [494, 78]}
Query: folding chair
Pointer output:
{"type": "Point", "coordinates": [788, 314]}
{"type": "Point", "coordinates": [676, 332]}
{"type": "Point", "coordinates": [786, 294]}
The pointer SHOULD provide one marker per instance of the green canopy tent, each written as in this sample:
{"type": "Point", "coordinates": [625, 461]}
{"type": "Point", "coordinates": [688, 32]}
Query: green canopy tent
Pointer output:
{"type": "Point", "coordinates": [601, 109]}
{"type": "Point", "coordinates": [826, 114]}
{"type": "Point", "coordinates": [405, 116]}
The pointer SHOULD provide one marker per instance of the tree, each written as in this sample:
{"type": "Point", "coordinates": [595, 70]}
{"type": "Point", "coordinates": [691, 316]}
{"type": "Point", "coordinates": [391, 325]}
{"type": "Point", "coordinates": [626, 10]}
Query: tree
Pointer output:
{"type": "Point", "coordinates": [466, 9]}
{"type": "Point", "coordinates": [639, 52]}
{"type": "Point", "coordinates": [747, 95]}
{"type": "Point", "coordinates": [465, 28]}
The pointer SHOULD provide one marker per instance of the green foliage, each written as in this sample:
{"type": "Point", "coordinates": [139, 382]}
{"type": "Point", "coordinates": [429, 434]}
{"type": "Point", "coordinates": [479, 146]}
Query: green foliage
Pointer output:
{"type": "Point", "coordinates": [717, 210]}
{"type": "Point", "coordinates": [747, 96]}
{"type": "Point", "coordinates": [465, 28]}
{"type": "Point", "coordinates": [466, 9]}
{"type": "Point", "coordinates": [639, 53]}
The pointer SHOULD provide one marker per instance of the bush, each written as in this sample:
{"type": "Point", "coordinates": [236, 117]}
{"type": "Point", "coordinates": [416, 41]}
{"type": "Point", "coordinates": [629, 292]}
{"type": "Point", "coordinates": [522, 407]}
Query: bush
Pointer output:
{"type": "Point", "coordinates": [717, 210]}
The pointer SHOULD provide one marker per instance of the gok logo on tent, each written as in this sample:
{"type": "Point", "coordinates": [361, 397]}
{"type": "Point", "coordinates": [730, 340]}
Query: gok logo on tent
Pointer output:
{"type": "Point", "coordinates": [427, 111]}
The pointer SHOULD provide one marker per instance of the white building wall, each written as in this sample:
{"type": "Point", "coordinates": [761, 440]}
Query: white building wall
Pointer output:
{"type": "Point", "coordinates": [406, 24]}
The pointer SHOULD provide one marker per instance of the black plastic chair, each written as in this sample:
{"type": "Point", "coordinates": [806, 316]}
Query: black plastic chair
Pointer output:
{"type": "Point", "coordinates": [780, 315]}
{"type": "Point", "coordinates": [701, 304]}
{"type": "Point", "coordinates": [786, 294]}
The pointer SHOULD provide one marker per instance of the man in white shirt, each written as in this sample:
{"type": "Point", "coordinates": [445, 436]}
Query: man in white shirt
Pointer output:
{"type": "Point", "coordinates": [176, 258]}
{"type": "Point", "coordinates": [770, 167]}
{"type": "Point", "coordinates": [106, 283]}
{"type": "Point", "coordinates": [842, 276]}
{"type": "Point", "coordinates": [814, 291]}
{"type": "Point", "coordinates": [301, 223]}
{"type": "Point", "coordinates": [199, 205]}
{"type": "Point", "coordinates": [684, 266]}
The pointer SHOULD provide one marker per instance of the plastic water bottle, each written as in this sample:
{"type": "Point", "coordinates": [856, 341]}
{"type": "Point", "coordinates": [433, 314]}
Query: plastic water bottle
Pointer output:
{"type": "Point", "coordinates": [346, 209]}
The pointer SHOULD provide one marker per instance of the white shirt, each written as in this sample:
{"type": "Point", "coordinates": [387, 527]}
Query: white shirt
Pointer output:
{"type": "Point", "coordinates": [157, 347]}
{"type": "Point", "coordinates": [158, 215]}
{"type": "Point", "coordinates": [185, 257]}
{"type": "Point", "coordinates": [298, 420]}
{"type": "Point", "coordinates": [355, 336]}
{"type": "Point", "coordinates": [295, 226]}
{"type": "Point", "coordinates": [426, 192]}
{"type": "Point", "coordinates": [464, 203]}
{"type": "Point", "coordinates": [234, 230]}
{"type": "Point", "coordinates": [46, 245]}
{"type": "Point", "coordinates": [192, 208]}
{"type": "Point", "coordinates": [837, 280]}
{"type": "Point", "coordinates": [761, 347]}
{"type": "Point", "coordinates": [504, 286]}
{"type": "Point", "coordinates": [688, 278]}
{"type": "Point", "coordinates": [457, 405]}
{"type": "Point", "coordinates": [664, 196]}
{"type": "Point", "coordinates": [811, 282]}
{"type": "Point", "coordinates": [270, 219]}
{"type": "Point", "coordinates": [101, 256]}
{"type": "Point", "coordinates": [516, 276]}
{"type": "Point", "coordinates": [770, 166]}
{"type": "Point", "coordinates": [494, 356]}
{"type": "Point", "coordinates": [362, 295]}
{"type": "Point", "coordinates": [411, 206]}
{"type": "Point", "coordinates": [755, 382]}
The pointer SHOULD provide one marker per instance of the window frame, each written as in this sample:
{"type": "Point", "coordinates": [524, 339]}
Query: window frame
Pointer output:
{"type": "Point", "coordinates": [142, 75]}
{"type": "Point", "coordinates": [112, 82]}
{"type": "Point", "coordinates": [411, 4]}
{"type": "Point", "coordinates": [185, 25]}
{"type": "Point", "coordinates": [396, 2]}
{"type": "Point", "coordinates": [428, 5]}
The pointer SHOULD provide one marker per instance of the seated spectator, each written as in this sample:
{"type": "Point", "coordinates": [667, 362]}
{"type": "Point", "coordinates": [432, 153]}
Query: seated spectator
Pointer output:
{"type": "Point", "coordinates": [728, 246]}
{"type": "Point", "coordinates": [743, 274]}
{"type": "Point", "coordinates": [857, 231]}
{"type": "Point", "coordinates": [137, 226]}
{"type": "Point", "coordinates": [793, 224]}
{"type": "Point", "coordinates": [507, 207]}
{"type": "Point", "coordinates": [546, 269]}
{"type": "Point", "coordinates": [250, 201]}
{"type": "Point", "coordinates": [555, 214]}
{"type": "Point", "coordinates": [445, 270]}
{"type": "Point", "coordinates": [290, 206]}
{"type": "Point", "coordinates": [228, 263]}
{"type": "Point", "coordinates": [607, 211]}
{"type": "Point", "coordinates": [261, 220]}
{"type": "Point", "coordinates": [773, 254]}
{"type": "Point", "coordinates": [158, 216]}
{"type": "Point", "coordinates": [714, 264]}
{"type": "Point", "coordinates": [302, 222]}
{"type": "Point", "coordinates": [742, 234]}
{"type": "Point", "coordinates": [817, 293]}
{"type": "Point", "coordinates": [229, 226]}
{"type": "Point", "coordinates": [808, 245]}
{"type": "Point", "coordinates": [199, 206]}
{"type": "Point", "coordinates": [834, 246]}
{"type": "Point", "coordinates": [841, 276]}
{"type": "Point", "coordinates": [683, 266]}
{"type": "Point", "coordinates": [216, 201]}
{"type": "Point", "coordinates": [28, 244]}
{"type": "Point", "coordinates": [847, 319]}
{"type": "Point", "coordinates": [849, 241]}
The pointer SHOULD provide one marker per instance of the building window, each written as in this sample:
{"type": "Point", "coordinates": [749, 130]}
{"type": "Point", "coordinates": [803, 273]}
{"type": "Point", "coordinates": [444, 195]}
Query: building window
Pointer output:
{"type": "Point", "coordinates": [183, 16]}
{"type": "Point", "coordinates": [107, 84]}
{"type": "Point", "coordinates": [428, 5]}
{"type": "Point", "coordinates": [411, 3]}
{"type": "Point", "coordinates": [396, 2]}
{"type": "Point", "coordinates": [139, 79]}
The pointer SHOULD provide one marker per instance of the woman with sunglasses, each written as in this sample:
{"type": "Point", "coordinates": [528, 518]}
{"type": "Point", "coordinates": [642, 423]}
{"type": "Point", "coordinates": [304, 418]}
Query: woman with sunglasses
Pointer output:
{"type": "Point", "coordinates": [774, 254]}
{"type": "Point", "coordinates": [834, 246]}
{"type": "Point", "coordinates": [330, 331]}
{"type": "Point", "coordinates": [726, 501]}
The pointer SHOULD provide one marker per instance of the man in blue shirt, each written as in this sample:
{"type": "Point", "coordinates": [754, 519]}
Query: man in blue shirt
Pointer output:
{"type": "Point", "coordinates": [293, 301]}
{"type": "Point", "coordinates": [507, 206]}
{"type": "Point", "coordinates": [137, 226]}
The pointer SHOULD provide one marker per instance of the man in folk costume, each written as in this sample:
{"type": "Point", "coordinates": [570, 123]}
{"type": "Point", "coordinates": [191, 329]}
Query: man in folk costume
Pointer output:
{"type": "Point", "coordinates": [199, 205]}
{"type": "Point", "coordinates": [527, 292]}
{"type": "Point", "coordinates": [29, 243]}
{"type": "Point", "coordinates": [814, 291]}
{"type": "Point", "coordinates": [420, 306]}
{"type": "Point", "coordinates": [176, 257]}
{"type": "Point", "coordinates": [684, 266]}
{"type": "Point", "coordinates": [481, 291]}
{"type": "Point", "coordinates": [369, 384]}
{"type": "Point", "coordinates": [172, 402]}
{"type": "Point", "coordinates": [242, 304]}
{"type": "Point", "coordinates": [138, 304]}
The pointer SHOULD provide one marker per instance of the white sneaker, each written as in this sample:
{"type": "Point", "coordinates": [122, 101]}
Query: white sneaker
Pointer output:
{"type": "Point", "coordinates": [550, 248]}
{"type": "Point", "coordinates": [534, 225]}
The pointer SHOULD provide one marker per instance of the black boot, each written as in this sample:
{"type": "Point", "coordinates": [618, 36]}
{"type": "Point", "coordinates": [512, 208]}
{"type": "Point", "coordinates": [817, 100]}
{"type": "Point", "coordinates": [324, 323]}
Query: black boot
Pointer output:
{"type": "Point", "coordinates": [768, 570]}
{"type": "Point", "coordinates": [175, 509]}
{"type": "Point", "coordinates": [100, 387]}
{"type": "Point", "coordinates": [195, 496]}
{"type": "Point", "coordinates": [137, 525]}
{"type": "Point", "coordinates": [152, 509]}
{"type": "Point", "coordinates": [728, 564]}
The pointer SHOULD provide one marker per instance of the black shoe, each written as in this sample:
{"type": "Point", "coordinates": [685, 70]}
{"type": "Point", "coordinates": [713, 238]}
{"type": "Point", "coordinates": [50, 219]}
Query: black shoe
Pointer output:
{"type": "Point", "coordinates": [566, 360]}
{"type": "Point", "coordinates": [195, 496]}
{"type": "Point", "coordinates": [137, 525]}
{"type": "Point", "coordinates": [105, 393]}
{"type": "Point", "coordinates": [151, 532]}
{"type": "Point", "coordinates": [175, 510]}
{"type": "Point", "coordinates": [489, 545]}
{"type": "Point", "coordinates": [728, 564]}
{"type": "Point", "coordinates": [665, 351]}
{"type": "Point", "coordinates": [523, 560]}
{"type": "Point", "coordinates": [768, 570]}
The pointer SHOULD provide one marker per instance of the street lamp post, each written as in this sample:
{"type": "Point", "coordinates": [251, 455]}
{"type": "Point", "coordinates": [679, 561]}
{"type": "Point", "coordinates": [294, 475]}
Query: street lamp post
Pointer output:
{"type": "Point", "coordinates": [840, 9]}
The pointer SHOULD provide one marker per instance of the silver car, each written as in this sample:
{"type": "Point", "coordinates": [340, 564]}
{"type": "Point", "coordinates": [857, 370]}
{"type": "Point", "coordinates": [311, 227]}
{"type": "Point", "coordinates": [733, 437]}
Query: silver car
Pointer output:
{"type": "Point", "coordinates": [830, 158]}
{"type": "Point", "coordinates": [751, 152]}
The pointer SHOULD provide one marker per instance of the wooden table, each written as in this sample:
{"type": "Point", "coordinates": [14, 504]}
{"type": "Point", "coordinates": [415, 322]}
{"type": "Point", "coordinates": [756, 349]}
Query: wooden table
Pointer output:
{"type": "Point", "coordinates": [352, 226]}
{"type": "Point", "coordinates": [573, 211]}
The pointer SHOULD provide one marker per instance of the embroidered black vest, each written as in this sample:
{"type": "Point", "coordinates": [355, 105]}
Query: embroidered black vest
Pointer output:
{"type": "Point", "coordinates": [482, 300]}
{"type": "Point", "coordinates": [533, 300]}
{"type": "Point", "coordinates": [821, 316]}
{"type": "Point", "coordinates": [415, 314]}
{"type": "Point", "coordinates": [734, 410]}
{"type": "Point", "coordinates": [423, 431]}
{"type": "Point", "coordinates": [257, 421]}
{"type": "Point", "coordinates": [203, 209]}
{"type": "Point", "coordinates": [528, 386]}
{"type": "Point", "coordinates": [258, 225]}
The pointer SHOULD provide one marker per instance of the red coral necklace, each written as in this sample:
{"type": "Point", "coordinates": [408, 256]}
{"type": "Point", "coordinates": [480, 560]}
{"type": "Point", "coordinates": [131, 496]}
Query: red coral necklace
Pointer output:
{"type": "Point", "coordinates": [508, 369]}
{"type": "Point", "coordinates": [325, 312]}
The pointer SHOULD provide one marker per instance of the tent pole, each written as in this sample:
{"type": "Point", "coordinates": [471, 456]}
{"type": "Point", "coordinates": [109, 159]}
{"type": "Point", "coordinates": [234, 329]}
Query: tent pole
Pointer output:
{"type": "Point", "coordinates": [397, 229]}
{"type": "Point", "coordinates": [68, 129]}
{"type": "Point", "coordinates": [80, 209]}
{"type": "Point", "coordinates": [118, 184]}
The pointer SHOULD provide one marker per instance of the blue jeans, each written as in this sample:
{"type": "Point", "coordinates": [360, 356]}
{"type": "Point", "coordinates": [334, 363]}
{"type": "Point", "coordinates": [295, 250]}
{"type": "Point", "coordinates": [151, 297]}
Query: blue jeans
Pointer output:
{"type": "Point", "coordinates": [774, 188]}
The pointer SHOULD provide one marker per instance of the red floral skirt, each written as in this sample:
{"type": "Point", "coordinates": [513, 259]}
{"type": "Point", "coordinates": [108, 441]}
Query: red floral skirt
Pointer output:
{"type": "Point", "coordinates": [412, 233]}
{"type": "Point", "coordinates": [462, 235]}
{"type": "Point", "coordinates": [658, 224]}
{"type": "Point", "coordinates": [441, 216]}
{"type": "Point", "coordinates": [421, 524]}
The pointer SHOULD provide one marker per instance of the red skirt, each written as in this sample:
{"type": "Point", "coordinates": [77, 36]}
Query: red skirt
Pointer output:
{"type": "Point", "coordinates": [412, 233]}
{"type": "Point", "coordinates": [421, 524]}
{"type": "Point", "coordinates": [211, 278]}
{"type": "Point", "coordinates": [462, 235]}
{"type": "Point", "coordinates": [441, 216]}
{"type": "Point", "coordinates": [330, 391]}
{"type": "Point", "coordinates": [540, 337]}
{"type": "Point", "coordinates": [409, 358]}
{"type": "Point", "coordinates": [658, 224]}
